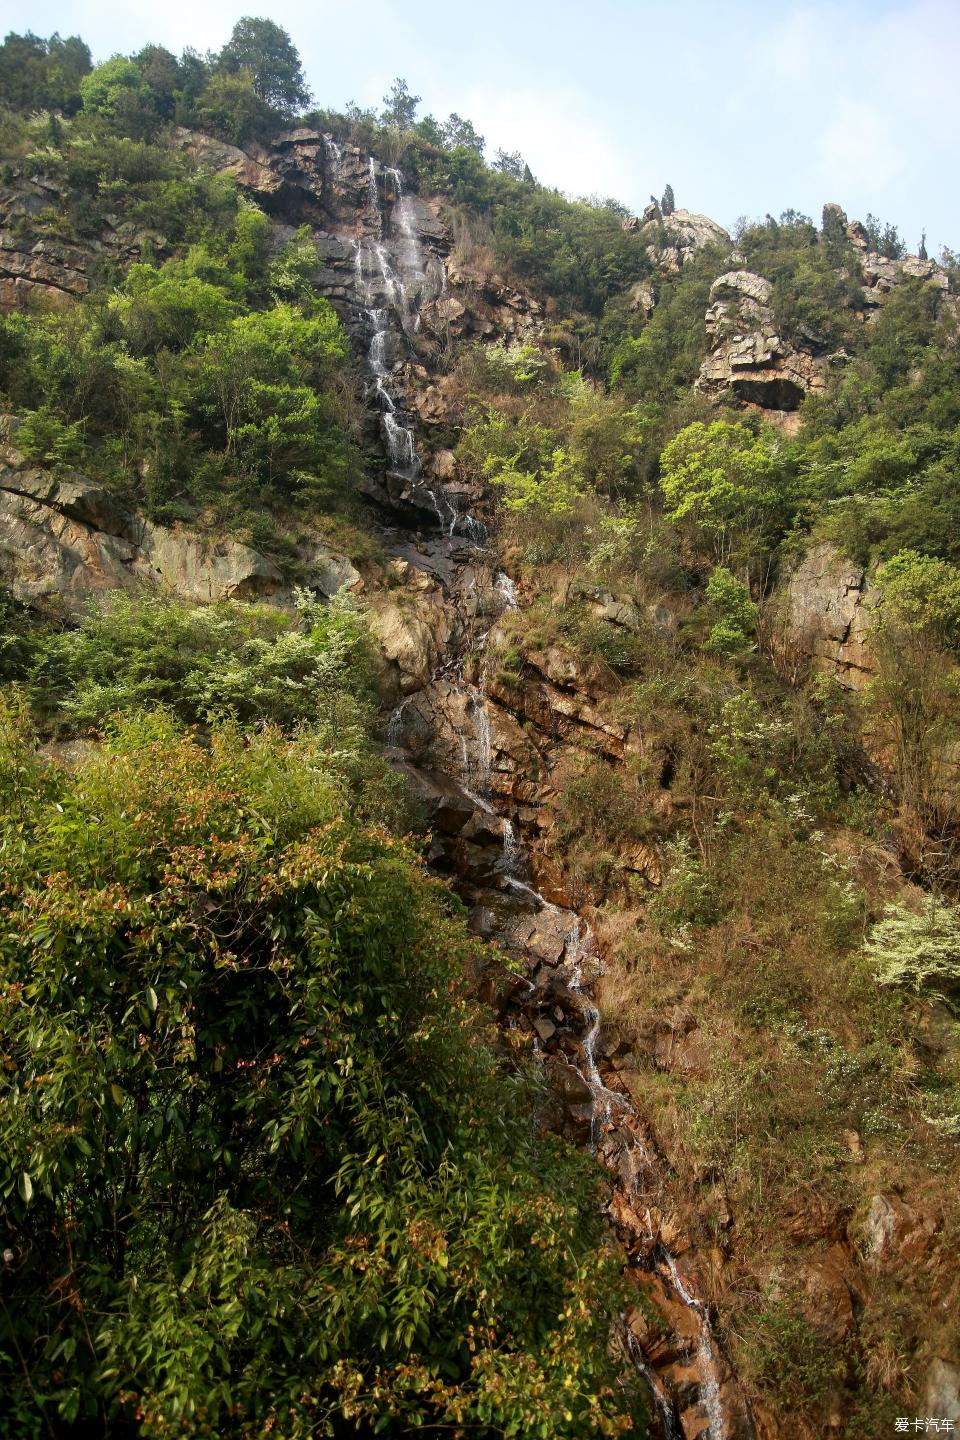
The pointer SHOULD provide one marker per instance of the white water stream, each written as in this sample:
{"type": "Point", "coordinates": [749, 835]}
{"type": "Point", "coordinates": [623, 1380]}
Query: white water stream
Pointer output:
{"type": "Point", "coordinates": [385, 287]}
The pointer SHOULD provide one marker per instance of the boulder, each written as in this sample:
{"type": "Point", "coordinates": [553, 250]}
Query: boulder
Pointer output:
{"type": "Point", "coordinates": [941, 1395]}
{"type": "Point", "coordinates": [894, 1230]}
{"type": "Point", "coordinates": [410, 631]}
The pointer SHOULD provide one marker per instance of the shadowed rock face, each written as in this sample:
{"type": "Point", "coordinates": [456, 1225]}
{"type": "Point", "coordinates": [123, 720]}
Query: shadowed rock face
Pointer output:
{"type": "Point", "coordinates": [40, 269]}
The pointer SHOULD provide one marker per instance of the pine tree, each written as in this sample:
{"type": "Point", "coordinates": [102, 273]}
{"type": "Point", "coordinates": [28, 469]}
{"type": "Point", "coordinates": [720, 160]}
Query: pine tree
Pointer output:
{"type": "Point", "coordinates": [668, 204]}
{"type": "Point", "coordinates": [399, 106]}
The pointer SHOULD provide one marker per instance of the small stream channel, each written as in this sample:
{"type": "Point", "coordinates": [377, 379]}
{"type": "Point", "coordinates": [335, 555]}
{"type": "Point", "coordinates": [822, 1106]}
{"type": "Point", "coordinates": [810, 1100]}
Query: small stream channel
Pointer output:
{"type": "Point", "coordinates": [393, 277]}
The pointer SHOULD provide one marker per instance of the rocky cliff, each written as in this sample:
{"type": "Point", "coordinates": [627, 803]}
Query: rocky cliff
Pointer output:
{"type": "Point", "coordinates": [490, 721]}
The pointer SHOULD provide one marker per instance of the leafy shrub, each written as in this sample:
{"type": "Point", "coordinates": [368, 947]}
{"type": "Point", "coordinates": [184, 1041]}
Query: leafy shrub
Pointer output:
{"type": "Point", "coordinates": [792, 1358]}
{"type": "Point", "coordinates": [918, 951]}
{"type": "Point", "coordinates": [257, 1168]}
{"type": "Point", "coordinates": [253, 662]}
{"type": "Point", "coordinates": [725, 488]}
{"type": "Point", "coordinates": [736, 615]}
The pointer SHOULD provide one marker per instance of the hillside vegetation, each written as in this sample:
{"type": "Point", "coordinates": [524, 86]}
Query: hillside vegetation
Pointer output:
{"type": "Point", "coordinates": [267, 1167]}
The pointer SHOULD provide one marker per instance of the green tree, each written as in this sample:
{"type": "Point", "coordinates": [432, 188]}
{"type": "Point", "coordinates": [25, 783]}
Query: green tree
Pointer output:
{"type": "Point", "coordinates": [161, 74]}
{"type": "Point", "coordinates": [252, 662]}
{"type": "Point", "coordinates": [726, 489]}
{"type": "Point", "coordinates": [735, 621]}
{"type": "Point", "coordinates": [118, 91]}
{"type": "Point", "coordinates": [38, 74]}
{"type": "Point", "coordinates": [266, 52]}
{"type": "Point", "coordinates": [884, 238]}
{"type": "Point", "coordinates": [399, 106]}
{"type": "Point", "coordinates": [668, 204]}
{"type": "Point", "coordinates": [460, 132]}
{"type": "Point", "coordinates": [230, 107]}
{"type": "Point", "coordinates": [510, 162]}
{"type": "Point", "coordinates": [258, 1170]}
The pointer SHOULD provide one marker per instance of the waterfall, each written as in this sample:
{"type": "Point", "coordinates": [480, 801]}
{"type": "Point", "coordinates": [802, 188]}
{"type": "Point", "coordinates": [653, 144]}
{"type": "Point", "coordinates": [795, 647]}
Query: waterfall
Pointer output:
{"type": "Point", "coordinates": [506, 589]}
{"type": "Point", "coordinates": [668, 1420]}
{"type": "Point", "coordinates": [410, 255]}
{"type": "Point", "coordinates": [373, 196]}
{"type": "Point", "coordinates": [334, 155]}
{"type": "Point", "coordinates": [481, 720]}
{"type": "Point", "coordinates": [371, 287]}
{"type": "Point", "coordinates": [395, 724]}
{"type": "Point", "coordinates": [382, 288]}
{"type": "Point", "coordinates": [605, 1103]}
{"type": "Point", "coordinates": [392, 279]}
{"type": "Point", "coordinates": [710, 1392]}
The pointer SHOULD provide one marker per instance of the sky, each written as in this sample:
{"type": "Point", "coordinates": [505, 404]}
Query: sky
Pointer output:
{"type": "Point", "coordinates": [745, 107]}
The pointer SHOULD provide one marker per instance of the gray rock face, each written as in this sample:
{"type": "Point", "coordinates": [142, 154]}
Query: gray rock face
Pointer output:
{"type": "Point", "coordinates": [69, 539]}
{"type": "Point", "coordinates": [825, 615]}
{"type": "Point", "coordinates": [942, 1392]}
{"type": "Point", "coordinates": [674, 240]}
{"type": "Point", "coordinates": [748, 356]}
{"type": "Point", "coordinates": [37, 268]}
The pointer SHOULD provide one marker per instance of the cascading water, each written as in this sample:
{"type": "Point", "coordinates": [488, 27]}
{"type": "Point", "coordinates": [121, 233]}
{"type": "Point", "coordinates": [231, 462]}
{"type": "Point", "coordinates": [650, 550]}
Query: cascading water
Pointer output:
{"type": "Point", "coordinates": [393, 280]}
{"type": "Point", "coordinates": [334, 156]}
{"type": "Point", "coordinates": [383, 287]}
{"type": "Point", "coordinates": [606, 1104]}
{"type": "Point", "coordinates": [506, 589]}
{"type": "Point", "coordinates": [511, 846]}
{"type": "Point", "coordinates": [373, 196]}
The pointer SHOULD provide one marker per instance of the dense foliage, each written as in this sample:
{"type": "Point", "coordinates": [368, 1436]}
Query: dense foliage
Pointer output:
{"type": "Point", "coordinates": [260, 1174]}
{"type": "Point", "coordinates": [256, 1164]}
{"type": "Point", "coordinates": [212, 379]}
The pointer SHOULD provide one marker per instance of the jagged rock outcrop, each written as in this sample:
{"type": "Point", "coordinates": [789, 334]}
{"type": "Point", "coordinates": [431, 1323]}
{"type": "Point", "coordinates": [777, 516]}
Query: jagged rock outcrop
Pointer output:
{"type": "Point", "coordinates": [824, 616]}
{"type": "Point", "coordinates": [673, 240]}
{"type": "Point", "coordinates": [67, 539]}
{"type": "Point", "coordinates": [35, 267]}
{"type": "Point", "coordinates": [748, 355]}
{"type": "Point", "coordinates": [881, 274]}
{"type": "Point", "coordinates": [481, 305]}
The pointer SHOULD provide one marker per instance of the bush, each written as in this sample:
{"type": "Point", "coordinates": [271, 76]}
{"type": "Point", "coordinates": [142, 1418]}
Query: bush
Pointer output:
{"type": "Point", "coordinates": [725, 487]}
{"type": "Point", "coordinates": [736, 615]}
{"type": "Point", "coordinates": [257, 1168]}
{"type": "Point", "coordinates": [918, 951]}
{"type": "Point", "coordinates": [252, 662]}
